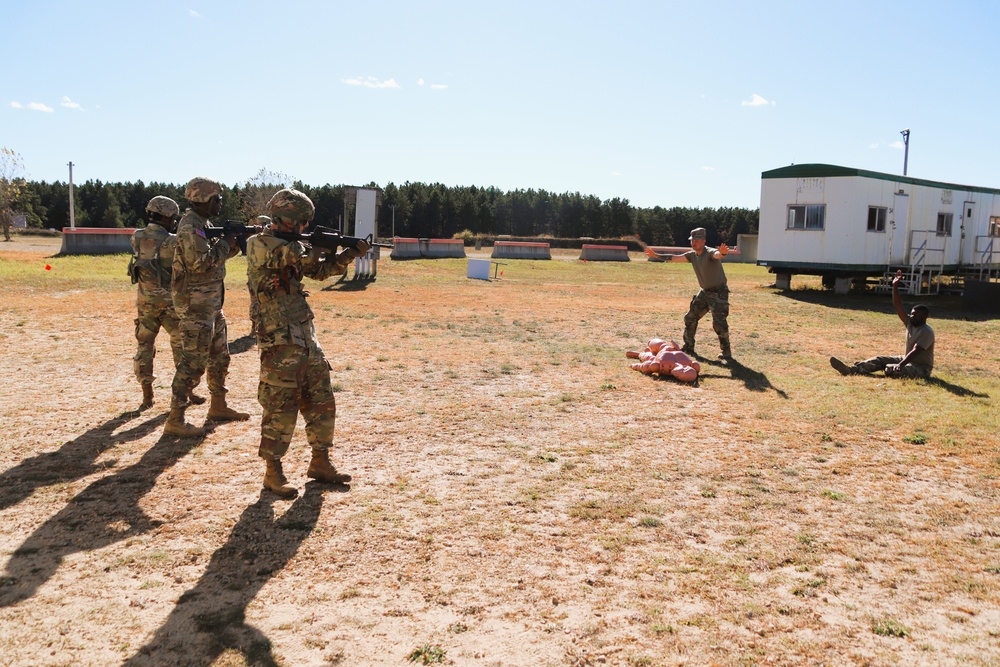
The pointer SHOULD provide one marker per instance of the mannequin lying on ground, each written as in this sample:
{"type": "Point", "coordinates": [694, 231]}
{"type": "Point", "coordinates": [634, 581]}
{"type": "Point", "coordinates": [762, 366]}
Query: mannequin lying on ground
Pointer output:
{"type": "Point", "coordinates": [666, 359]}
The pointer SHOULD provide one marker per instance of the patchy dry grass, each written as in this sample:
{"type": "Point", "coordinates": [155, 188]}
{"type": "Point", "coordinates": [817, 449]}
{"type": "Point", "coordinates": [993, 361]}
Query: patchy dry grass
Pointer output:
{"type": "Point", "coordinates": [520, 497]}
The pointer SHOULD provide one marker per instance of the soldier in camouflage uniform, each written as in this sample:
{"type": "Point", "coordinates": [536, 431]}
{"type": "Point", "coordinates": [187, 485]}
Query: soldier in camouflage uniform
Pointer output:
{"type": "Point", "coordinates": [151, 268]}
{"type": "Point", "coordinates": [198, 288]}
{"type": "Point", "coordinates": [294, 373]}
{"type": "Point", "coordinates": [261, 221]}
{"type": "Point", "coordinates": [713, 295]}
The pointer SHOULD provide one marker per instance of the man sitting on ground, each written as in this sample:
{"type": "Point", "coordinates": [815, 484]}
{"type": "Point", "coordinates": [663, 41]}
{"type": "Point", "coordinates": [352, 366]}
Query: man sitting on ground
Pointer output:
{"type": "Point", "coordinates": [919, 358]}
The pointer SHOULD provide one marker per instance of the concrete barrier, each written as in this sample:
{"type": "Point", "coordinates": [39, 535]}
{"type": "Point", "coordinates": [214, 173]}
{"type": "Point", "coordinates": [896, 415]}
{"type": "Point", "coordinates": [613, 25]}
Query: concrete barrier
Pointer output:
{"type": "Point", "coordinates": [426, 248]}
{"type": "Point", "coordinates": [440, 248]}
{"type": "Point", "coordinates": [96, 241]}
{"type": "Point", "coordinates": [604, 253]}
{"type": "Point", "coordinates": [746, 248]}
{"type": "Point", "coordinates": [519, 250]}
{"type": "Point", "coordinates": [405, 248]}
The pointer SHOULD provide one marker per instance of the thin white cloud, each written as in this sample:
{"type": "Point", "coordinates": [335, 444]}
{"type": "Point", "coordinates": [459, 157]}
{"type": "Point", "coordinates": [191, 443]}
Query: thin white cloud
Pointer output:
{"type": "Point", "coordinates": [873, 145]}
{"type": "Point", "coordinates": [756, 101]}
{"type": "Point", "coordinates": [16, 105]}
{"type": "Point", "coordinates": [70, 104]}
{"type": "Point", "coordinates": [420, 82]}
{"type": "Point", "coordinates": [617, 173]}
{"type": "Point", "coordinates": [706, 168]}
{"type": "Point", "coordinates": [193, 14]}
{"type": "Point", "coordinates": [897, 145]}
{"type": "Point", "coordinates": [371, 82]}
{"type": "Point", "coordinates": [38, 106]}
{"type": "Point", "coordinates": [438, 86]}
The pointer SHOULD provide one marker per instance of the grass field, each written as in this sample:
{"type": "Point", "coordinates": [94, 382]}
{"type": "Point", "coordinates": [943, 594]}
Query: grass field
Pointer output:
{"type": "Point", "coordinates": [520, 496]}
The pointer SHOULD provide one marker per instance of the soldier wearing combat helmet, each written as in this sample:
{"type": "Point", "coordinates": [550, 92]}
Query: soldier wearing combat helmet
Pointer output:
{"type": "Point", "coordinates": [198, 290]}
{"type": "Point", "coordinates": [294, 373]}
{"type": "Point", "coordinates": [151, 269]}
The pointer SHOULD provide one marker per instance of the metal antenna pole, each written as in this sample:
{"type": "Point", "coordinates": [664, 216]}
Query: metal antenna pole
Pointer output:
{"type": "Point", "coordinates": [906, 148]}
{"type": "Point", "coordinates": [72, 214]}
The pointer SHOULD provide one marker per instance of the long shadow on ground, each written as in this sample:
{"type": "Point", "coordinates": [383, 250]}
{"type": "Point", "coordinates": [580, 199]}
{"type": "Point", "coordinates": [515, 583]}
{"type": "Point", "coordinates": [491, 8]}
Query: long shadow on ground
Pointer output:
{"type": "Point", "coordinates": [941, 307]}
{"type": "Point", "coordinates": [211, 617]}
{"type": "Point", "coordinates": [73, 460]}
{"type": "Point", "coordinates": [105, 512]}
{"type": "Point", "coordinates": [242, 344]}
{"type": "Point", "coordinates": [956, 389]}
{"type": "Point", "coordinates": [934, 381]}
{"type": "Point", "coordinates": [751, 379]}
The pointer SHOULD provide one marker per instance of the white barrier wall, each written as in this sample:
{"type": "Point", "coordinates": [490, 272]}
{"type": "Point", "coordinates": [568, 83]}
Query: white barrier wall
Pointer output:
{"type": "Point", "coordinates": [604, 253]}
{"type": "Point", "coordinates": [96, 241]}
{"type": "Point", "coordinates": [427, 248]}
{"type": "Point", "coordinates": [519, 250]}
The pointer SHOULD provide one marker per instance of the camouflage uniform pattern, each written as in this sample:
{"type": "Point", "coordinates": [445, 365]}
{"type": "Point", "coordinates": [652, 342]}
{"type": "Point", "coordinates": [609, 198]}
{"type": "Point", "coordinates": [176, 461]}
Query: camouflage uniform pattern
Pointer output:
{"type": "Point", "coordinates": [153, 254]}
{"type": "Point", "coordinates": [294, 373]}
{"type": "Point", "coordinates": [714, 300]}
{"type": "Point", "coordinates": [198, 289]}
{"type": "Point", "coordinates": [713, 295]}
{"type": "Point", "coordinates": [200, 189]}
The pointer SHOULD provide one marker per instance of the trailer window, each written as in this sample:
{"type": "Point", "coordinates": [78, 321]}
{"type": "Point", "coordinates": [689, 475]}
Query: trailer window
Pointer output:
{"type": "Point", "coordinates": [944, 224]}
{"type": "Point", "coordinates": [812, 216]}
{"type": "Point", "coordinates": [876, 218]}
{"type": "Point", "coordinates": [994, 225]}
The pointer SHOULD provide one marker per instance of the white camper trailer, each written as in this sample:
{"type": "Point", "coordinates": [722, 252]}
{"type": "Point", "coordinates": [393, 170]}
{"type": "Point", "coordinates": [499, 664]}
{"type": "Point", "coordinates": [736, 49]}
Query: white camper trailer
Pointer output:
{"type": "Point", "coordinates": [848, 224]}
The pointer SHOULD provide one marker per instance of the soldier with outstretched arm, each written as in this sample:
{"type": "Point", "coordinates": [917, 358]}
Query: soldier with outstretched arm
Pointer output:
{"type": "Point", "coordinates": [294, 372]}
{"type": "Point", "coordinates": [917, 362]}
{"type": "Point", "coordinates": [713, 295]}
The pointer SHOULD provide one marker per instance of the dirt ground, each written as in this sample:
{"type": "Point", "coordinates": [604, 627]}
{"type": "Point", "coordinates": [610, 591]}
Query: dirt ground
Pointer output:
{"type": "Point", "coordinates": [520, 497]}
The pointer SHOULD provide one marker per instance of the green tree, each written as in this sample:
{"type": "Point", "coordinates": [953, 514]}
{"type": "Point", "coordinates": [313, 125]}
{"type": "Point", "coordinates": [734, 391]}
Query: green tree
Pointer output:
{"type": "Point", "coordinates": [11, 184]}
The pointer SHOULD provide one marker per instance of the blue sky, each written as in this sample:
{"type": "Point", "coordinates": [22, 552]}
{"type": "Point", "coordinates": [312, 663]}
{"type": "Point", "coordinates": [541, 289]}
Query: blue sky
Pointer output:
{"type": "Point", "coordinates": [661, 103]}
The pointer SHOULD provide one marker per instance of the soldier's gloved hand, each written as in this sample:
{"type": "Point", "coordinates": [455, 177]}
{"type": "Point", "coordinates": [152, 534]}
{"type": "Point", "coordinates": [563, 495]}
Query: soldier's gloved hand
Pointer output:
{"type": "Point", "coordinates": [892, 369]}
{"type": "Point", "coordinates": [357, 251]}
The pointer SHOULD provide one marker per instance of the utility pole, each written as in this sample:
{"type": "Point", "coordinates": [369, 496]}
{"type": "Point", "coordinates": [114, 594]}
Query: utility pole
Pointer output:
{"type": "Point", "coordinates": [72, 215]}
{"type": "Point", "coordinates": [906, 148]}
{"type": "Point", "coordinates": [393, 207]}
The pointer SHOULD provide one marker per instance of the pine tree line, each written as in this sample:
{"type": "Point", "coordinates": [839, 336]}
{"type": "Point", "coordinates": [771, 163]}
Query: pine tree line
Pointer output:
{"type": "Point", "coordinates": [409, 210]}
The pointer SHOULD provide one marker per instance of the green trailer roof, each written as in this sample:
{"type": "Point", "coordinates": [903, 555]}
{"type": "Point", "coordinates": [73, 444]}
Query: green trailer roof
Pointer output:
{"type": "Point", "coordinates": [832, 170]}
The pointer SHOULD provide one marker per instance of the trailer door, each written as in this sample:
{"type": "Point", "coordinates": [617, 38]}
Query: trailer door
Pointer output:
{"type": "Point", "coordinates": [967, 227]}
{"type": "Point", "coordinates": [899, 228]}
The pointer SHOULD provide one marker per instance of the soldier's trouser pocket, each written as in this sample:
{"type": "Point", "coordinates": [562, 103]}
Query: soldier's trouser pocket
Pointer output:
{"type": "Point", "coordinates": [195, 337]}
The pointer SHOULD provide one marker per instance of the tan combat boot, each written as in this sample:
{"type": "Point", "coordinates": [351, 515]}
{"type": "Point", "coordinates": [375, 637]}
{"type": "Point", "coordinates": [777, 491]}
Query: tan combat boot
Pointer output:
{"type": "Point", "coordinates": [321, 470]}
{"type": "Point", "coordinates": [175, 424]}
{"type": "Point", "coordinates": [220, 412]}
{"type": "Point", "coordinates": [275, 480]}
{"type": "Point", "coordinates": [147, 396]}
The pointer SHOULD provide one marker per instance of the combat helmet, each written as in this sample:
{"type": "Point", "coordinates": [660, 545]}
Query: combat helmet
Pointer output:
{"type": "Point", "coordinates": [201, 190]}
{"type": "Point", "coordinates": [164, 206]}
{"type": "Point", "coordinates": [291, 205]}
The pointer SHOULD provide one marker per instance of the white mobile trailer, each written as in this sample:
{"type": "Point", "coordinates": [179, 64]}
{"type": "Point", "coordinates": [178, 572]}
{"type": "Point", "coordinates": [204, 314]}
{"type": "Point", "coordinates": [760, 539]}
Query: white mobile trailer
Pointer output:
{"type": "Point", "coordinates": [843, 223]}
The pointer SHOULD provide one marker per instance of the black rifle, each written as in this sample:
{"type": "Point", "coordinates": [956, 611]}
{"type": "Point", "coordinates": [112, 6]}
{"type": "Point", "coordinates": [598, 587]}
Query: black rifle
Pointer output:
{"type": "Point", "coordinates": [329, 239]}
{"type": "Point", "coordinates": [233, 228]}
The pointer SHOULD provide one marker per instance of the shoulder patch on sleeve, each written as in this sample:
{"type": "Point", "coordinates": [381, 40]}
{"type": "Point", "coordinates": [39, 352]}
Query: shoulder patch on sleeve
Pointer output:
{"type": "Point", "coordinates": [200, 233]}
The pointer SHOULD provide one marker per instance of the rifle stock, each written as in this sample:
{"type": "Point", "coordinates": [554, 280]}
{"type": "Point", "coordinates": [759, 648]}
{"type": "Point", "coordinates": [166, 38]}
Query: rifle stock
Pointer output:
{"type": "Point", "coordinates": [233, 228]}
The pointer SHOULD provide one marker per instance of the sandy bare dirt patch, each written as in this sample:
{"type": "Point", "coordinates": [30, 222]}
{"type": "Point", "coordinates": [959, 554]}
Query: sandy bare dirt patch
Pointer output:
{"type": "Point", "coordinates": [520, 496]}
